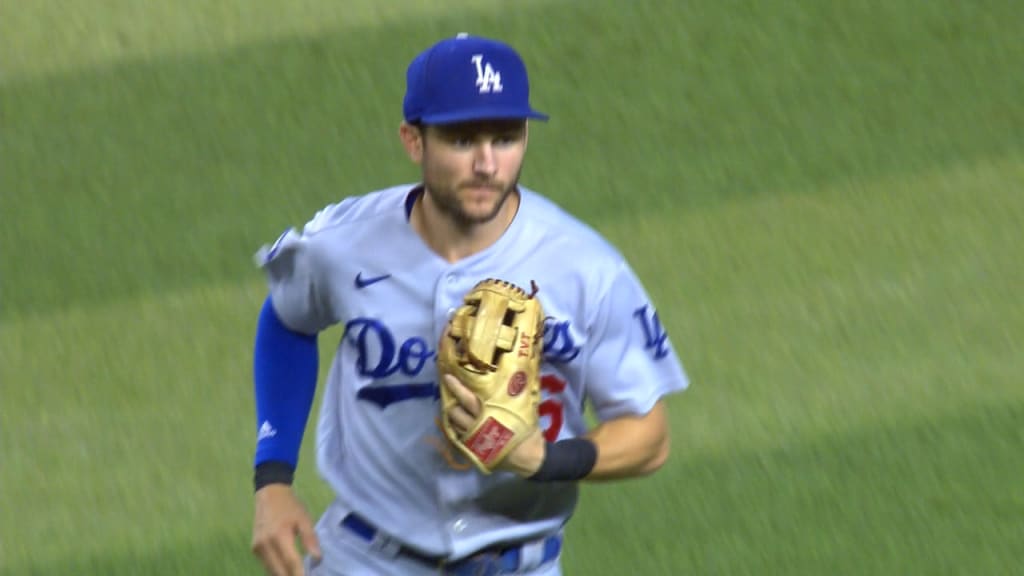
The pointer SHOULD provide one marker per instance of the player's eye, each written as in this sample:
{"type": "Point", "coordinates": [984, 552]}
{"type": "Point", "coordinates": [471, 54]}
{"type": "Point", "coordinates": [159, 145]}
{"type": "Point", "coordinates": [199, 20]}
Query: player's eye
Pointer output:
{"type": "Point", "coordinates": [510, 138]}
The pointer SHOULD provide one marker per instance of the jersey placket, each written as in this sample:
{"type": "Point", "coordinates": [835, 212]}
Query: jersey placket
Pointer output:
{"type": "Point", "coordinates": [455, 482]}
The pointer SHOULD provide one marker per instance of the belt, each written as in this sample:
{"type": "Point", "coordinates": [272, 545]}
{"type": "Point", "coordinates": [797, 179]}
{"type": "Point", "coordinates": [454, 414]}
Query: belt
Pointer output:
{"type": "Point", "coordinates": [487, 562]}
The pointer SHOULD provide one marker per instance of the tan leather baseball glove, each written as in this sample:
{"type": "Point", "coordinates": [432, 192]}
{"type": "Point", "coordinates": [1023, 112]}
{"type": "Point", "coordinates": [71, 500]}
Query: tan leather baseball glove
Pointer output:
{"type": "Point", "coordinates": [493, 345]}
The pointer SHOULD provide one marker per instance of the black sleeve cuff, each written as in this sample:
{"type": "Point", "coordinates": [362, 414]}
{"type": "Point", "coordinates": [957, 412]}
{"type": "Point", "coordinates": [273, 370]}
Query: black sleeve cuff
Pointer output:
{"type": "Point", "coordinates": [272, 472]}
{"type": "Point", "coordinates": [567, 461]}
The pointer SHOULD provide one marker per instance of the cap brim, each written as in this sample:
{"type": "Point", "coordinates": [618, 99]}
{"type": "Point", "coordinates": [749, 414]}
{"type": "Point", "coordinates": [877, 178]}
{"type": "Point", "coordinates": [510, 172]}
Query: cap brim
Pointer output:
{"type": "Point", "coordinates": [483, 114]}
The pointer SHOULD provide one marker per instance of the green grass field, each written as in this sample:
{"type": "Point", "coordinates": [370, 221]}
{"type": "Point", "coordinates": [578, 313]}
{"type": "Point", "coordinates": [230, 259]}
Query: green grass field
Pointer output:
{"type": "Point", "coordinates": [826, 201]}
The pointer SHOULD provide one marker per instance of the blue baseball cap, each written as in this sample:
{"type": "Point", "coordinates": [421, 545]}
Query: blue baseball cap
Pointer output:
{"type": "Point", "coordinates": [467, 78]}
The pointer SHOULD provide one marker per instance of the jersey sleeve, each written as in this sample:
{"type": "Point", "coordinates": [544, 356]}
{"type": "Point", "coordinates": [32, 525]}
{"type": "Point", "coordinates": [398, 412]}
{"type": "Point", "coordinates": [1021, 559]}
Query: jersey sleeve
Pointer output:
{"type": "Point", "coordinates": [296, 274]}
{"type": "Point", "coordinates": [632, 363]}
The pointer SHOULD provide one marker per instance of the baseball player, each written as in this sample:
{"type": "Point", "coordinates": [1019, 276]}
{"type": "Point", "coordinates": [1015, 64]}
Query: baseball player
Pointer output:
{"type": "Point", "coordinates": [393, 267]}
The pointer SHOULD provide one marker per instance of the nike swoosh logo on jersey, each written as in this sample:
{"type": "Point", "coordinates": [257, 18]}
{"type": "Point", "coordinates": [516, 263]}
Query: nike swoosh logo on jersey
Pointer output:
{"type": "Point", "coordinates": [364, 282]}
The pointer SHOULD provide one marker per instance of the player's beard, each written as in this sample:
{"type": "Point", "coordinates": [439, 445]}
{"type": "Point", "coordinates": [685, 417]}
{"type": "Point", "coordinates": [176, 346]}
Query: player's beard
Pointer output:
{"type": "Point", "coordinates": [451, 204]}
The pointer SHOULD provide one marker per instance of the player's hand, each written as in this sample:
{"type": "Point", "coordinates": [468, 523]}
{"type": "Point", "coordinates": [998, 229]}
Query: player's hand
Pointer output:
{"type": "Point", "coordinates": [279, 519]}
{"type": "Point", "coordinates": [524, 459]}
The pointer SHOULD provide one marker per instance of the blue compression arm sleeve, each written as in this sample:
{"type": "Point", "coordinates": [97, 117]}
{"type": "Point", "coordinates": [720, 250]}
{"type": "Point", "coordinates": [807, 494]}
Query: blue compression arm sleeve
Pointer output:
{"type": "Point", "coordinates": [285, 368]}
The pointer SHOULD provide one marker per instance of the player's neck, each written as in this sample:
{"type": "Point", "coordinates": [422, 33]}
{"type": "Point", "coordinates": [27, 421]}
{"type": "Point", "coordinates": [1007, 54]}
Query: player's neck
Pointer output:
{"type": "Point", "coordinates": [452, 240]}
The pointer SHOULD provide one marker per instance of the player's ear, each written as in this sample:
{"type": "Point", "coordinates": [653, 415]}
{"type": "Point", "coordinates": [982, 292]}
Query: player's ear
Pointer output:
{"type": "Point", "coordinates": [412, 140]}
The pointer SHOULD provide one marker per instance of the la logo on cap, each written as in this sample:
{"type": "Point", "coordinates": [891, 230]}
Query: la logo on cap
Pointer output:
{"type": "Point", "coordinates": [487, 79]}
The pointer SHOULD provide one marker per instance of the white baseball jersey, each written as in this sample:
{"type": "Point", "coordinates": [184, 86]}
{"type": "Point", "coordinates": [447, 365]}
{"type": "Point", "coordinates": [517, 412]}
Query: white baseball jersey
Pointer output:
{"type": "Point", "coordinates": [379, 446]}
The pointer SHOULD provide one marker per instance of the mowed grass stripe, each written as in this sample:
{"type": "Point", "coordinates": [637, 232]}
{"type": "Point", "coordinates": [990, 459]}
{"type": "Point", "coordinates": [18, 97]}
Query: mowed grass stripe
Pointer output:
{"type": "Point", "coordinates": [938, 495]}
{"type": "Point", "coordinates": [48, 37]}
{"type": "Point", "coordinates": [129, 427]}
{"type": "Point", "coordinates": [798, 316]}
{"type": "Point", "coordinates": [156, 175]}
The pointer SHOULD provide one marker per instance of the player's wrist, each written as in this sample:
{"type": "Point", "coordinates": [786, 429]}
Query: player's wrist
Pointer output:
{"type": "Point", "coordinates": [527, 458]}
{"type": "Point", "coordinates": [567, 460]}
{"type": "Point", "coordinates": [272, 472]}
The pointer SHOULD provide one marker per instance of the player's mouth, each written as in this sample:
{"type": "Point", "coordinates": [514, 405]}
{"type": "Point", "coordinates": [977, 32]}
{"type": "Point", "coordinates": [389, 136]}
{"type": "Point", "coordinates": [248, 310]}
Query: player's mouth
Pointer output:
{"type": "Point", "coordinates": [482, 188]}
{"type": "Point", "coordinates": [481, 193]}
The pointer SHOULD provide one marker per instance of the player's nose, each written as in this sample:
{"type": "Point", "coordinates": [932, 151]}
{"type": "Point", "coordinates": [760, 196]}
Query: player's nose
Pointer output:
{"type": "Point", "coordinates": [483, 159]}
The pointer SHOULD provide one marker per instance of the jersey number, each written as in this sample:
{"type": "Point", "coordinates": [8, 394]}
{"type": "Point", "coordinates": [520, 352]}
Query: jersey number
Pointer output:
{"type": "Point", "coordinates": [552, 407]}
